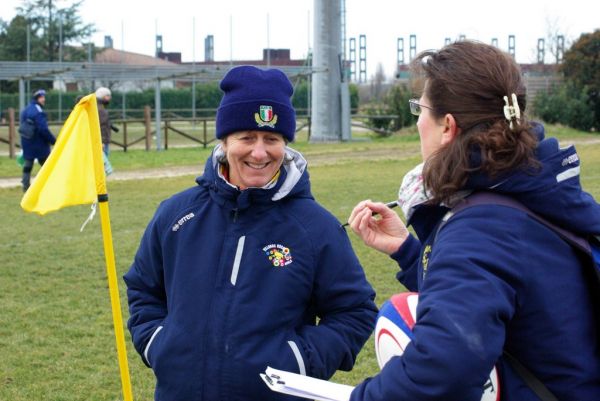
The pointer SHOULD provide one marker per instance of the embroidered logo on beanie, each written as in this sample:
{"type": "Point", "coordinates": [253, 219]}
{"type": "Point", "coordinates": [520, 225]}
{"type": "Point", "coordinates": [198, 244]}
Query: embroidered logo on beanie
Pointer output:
{"type": "Point", "coordinates": [265, 118]}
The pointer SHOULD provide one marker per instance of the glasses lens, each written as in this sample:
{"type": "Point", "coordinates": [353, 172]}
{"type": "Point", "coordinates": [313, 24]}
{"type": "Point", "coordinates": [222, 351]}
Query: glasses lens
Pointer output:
{"type": "Point", "coordinates": [415, 108]}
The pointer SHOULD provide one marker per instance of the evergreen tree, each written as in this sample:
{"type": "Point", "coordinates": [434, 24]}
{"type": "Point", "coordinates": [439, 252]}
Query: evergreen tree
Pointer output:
{"type": "Point", "coordinates": [581, 67]}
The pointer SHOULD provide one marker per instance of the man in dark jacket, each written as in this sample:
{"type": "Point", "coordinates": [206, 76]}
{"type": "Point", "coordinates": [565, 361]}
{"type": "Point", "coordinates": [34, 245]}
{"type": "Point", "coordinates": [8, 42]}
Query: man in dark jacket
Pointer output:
{"type": "Point", "coordinates": [246, 270]}
{"type": "Point", "coordinates": [36, 138]}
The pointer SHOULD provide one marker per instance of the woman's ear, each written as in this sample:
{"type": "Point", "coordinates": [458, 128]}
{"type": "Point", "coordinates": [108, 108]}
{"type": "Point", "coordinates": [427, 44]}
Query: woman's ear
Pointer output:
{"type": "Point", "coordinates": [451, 129]}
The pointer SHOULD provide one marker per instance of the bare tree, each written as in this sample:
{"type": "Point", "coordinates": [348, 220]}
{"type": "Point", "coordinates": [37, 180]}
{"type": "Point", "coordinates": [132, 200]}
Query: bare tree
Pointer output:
{"type": "Point", "coordinates": [377, 83]}
{"type": "Point", "coordinates": [556, 40]}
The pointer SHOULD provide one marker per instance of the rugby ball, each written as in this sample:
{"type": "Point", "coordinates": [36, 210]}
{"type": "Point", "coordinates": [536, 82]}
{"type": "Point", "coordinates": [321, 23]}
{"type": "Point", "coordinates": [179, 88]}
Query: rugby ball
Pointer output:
{"type": "Point", "coordinates": [393, 333]}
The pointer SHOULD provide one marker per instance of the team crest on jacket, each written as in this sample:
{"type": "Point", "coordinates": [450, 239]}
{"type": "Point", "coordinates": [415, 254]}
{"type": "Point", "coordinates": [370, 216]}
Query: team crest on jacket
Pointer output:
{"type": "Point", "coordinates": [279, 255]}
{"type": "Point", "coordinates": [425, 259]}
{"type": "Point", "coordinates": [265, 117]}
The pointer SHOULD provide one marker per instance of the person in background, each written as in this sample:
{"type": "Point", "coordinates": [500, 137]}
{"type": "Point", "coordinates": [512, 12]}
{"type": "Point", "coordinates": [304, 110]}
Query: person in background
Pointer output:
{"type": "Point", "coordinates": [36, 137]}
{"type": "Point", "coordinates": [246, 270]}
{"type": "Point", "coordinates": [496, 286]}
{"type": "Point", "coordinates": [103, 96]}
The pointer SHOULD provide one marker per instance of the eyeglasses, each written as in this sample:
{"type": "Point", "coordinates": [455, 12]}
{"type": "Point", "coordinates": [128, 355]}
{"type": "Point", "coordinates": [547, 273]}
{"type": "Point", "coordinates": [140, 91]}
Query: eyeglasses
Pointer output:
{"type": "Point", "coordinates": [415, 107]}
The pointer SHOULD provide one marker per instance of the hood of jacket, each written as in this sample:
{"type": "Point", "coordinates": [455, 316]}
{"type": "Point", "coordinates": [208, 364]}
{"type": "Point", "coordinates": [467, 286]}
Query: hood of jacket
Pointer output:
{"type": "Point", "coordinates": [553, 190]}
{"type": "Point", "coordinates": [293, 181]}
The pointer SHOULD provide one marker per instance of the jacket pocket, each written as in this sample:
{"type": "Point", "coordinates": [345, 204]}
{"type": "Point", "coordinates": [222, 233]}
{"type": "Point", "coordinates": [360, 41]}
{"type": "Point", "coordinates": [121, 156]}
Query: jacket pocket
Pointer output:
{"type": "Point", "coordinates": [147, 349]}
{"type": "Point", "coordinates": [298, 356]}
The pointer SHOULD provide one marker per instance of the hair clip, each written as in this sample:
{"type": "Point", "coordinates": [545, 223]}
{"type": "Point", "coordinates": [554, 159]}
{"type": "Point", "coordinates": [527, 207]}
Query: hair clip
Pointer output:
{"type": "Point", "coordinates": [512, 111]}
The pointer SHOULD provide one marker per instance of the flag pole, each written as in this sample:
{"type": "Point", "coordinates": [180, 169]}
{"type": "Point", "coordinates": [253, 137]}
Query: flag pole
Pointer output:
{"type": "Point", "coordinates": [113, 288]}
{"type": "Point", "coordinates": [109, 254]}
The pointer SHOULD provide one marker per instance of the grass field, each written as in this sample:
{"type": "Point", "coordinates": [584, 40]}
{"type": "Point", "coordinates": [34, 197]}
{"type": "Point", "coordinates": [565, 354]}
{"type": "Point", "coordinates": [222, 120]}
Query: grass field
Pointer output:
{"type": "Point", "coordinates": [56, 333]}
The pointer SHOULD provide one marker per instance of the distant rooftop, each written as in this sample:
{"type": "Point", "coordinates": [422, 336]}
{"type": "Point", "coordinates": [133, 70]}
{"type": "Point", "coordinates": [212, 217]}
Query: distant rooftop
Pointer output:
{"type": "Point", "coordinates": [271, 57]}
{"type": "Point", "coordinates": [112, 56]}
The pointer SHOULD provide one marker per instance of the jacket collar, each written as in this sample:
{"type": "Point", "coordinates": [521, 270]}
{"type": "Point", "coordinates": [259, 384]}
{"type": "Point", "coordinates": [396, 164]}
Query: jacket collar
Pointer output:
{"type": "Point", "coordinates": [292, 181]}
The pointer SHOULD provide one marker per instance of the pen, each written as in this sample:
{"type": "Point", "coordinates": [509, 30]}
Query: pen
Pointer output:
{"type": "Point", "coordinates": [391, 205]}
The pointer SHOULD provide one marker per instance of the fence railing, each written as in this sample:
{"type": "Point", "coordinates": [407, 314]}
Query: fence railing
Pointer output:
{"type": "Point", "coordinates": [12, 136]}
{"type": "Point", "coordinates": [133, 131]}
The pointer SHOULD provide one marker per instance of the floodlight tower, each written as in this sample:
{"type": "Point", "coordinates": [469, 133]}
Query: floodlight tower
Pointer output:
{"type": "Point", "coordinates": [511, 45]}
{"type": "Point", "coordinates": [352, 52]}
{"type": "Point", "coordinates": [159, 45]}
{"type": "Point", "coordinates": [541, 50]}
{"type": "Point", "coordinates": [560, 48]}
{"type": "Point", "coordinates": [413, 46]}
{"type": "Point", "coordinates": [362, 58]}
{"type": "Point", "coordinates": [399, 54]}
{"type": "Point", "coordinates": [209, 48]}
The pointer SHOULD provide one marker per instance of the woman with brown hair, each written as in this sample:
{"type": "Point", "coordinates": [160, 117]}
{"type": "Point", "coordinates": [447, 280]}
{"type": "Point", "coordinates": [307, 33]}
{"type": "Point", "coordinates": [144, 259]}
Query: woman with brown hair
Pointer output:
{"type": "Point", "coordinates": [497, 284]}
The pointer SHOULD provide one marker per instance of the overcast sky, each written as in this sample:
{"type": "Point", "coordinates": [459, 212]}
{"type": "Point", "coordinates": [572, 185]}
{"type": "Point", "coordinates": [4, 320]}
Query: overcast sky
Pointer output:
{"type": "Point", "coordinates": [242, 28]}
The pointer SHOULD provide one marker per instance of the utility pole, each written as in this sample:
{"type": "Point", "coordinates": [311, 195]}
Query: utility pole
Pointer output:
{"type": "Point", "coordinates": [327, 72]}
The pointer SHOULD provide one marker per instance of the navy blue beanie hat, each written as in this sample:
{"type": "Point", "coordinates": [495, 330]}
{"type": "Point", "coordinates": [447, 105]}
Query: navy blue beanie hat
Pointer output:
{"type": "Point", "coordinates": [256, 100]}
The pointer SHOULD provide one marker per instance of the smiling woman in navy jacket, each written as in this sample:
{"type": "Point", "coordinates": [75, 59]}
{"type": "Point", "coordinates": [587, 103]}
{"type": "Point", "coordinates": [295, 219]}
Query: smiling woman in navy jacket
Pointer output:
{"type": "Point", "coordinates": [246, 270]}
{"type": "Point", "coordinates": [492, 281]}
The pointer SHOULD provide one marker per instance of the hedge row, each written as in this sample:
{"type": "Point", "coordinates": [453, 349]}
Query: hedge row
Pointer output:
{"type": "Point", "coordinates": [208, 96]}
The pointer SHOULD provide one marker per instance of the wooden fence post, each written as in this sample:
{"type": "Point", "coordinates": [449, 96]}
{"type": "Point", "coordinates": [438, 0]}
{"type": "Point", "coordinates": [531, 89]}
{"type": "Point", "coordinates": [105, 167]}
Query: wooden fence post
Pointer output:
{"type": "Point", "coordinates": [125, 144]}
{"type": "Point", "coordinates": [147, 123]}
{"type": "Point", "coordinates": [166, 134]}
{"type": "Point", "coordinates": [11, 133]}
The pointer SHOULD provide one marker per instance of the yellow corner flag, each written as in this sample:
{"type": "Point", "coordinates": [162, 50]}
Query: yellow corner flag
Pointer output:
{"type": "Point", "coordinates": [74, 171]}
{"type": "Point", "coordinates": [74, 175]}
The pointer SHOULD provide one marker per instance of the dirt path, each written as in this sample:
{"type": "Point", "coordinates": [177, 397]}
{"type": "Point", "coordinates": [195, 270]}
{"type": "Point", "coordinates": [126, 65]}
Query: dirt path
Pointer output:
{"type": "Point", "coordinates": [313, 160]}
{"type": "Point", "coordinates": [316, 159]}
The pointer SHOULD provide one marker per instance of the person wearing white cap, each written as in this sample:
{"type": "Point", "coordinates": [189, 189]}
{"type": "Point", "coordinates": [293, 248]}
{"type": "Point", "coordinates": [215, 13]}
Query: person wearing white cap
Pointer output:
{"type": "Point", "coordinates": [103, 96]}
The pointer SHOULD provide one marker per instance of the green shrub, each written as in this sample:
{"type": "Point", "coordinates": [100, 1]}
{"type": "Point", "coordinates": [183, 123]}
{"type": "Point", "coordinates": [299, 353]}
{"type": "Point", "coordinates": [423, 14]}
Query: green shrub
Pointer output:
{"type": "Point", "coordinates": [378, 118]}
{"type": "Point", "coordinates": [567, 105]}
{"type": "Point", "coordinates": [393, 113]}
{"type": "Point", "coordinates": [397, 100]}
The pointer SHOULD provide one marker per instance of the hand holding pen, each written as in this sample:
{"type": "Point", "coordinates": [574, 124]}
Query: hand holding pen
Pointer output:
{"type": "Point", "coordinates": [391, 205]}
{"type": "Point", "coordinates": [386, 234]}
